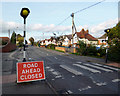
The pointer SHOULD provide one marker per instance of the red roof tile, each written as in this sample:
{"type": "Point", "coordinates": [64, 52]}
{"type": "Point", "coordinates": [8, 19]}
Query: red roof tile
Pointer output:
{"type": "Point", "coordinates": [85, 34]}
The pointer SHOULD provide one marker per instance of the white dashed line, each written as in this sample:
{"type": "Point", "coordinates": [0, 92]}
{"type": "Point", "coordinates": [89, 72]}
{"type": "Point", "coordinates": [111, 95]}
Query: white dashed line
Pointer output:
{"type": "Point", "coordinates": [47, 67]}
{"type": "Point", "coordinates": [56, 58]}
{"type": "Point", "coordinates": [69, 91]}
{"type": "Point", "coordinates": [101, 84]}
{"type": "Point", "coordinates": [116, 80]}
{"type": "Point", "coordinates": [59, 76]}
{"type": "Point", "coordinates": [79, 62]}
{"type": "Point", "coordinates": [88, 87]}
{"type": "Point", "coordinates": [55, 73]}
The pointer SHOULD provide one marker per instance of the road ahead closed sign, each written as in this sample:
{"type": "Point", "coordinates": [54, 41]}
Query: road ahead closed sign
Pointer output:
{"type": "Point", "coordinates": [30, 71]}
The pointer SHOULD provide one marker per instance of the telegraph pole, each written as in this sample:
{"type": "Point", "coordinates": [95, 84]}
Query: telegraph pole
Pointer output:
{"type": "Point", "coordinates": [72, 15]}
{"type": "Point", "coordinates": [24, 13]}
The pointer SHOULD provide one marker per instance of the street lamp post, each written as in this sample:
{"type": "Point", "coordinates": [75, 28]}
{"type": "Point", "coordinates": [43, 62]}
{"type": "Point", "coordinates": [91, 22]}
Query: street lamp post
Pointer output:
{"type": "Point", "coordinates": [72, 15]}
{"type": "Point", "coordinates": [24, 13]}
{"type": "Point", "coordinates": [107, 31]}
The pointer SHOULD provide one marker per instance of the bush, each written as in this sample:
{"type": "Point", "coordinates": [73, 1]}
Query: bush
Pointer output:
{"type": "Point", "coordinates": [114, 53]}
{"type": "Point", "coordinates": [82, 48]}
{"type": "Point", "coordinates": [102, 52]}
{"type": "Point", "coordinates": [91, 50]}
{"type": "Point", "coordinates": [51, 46]}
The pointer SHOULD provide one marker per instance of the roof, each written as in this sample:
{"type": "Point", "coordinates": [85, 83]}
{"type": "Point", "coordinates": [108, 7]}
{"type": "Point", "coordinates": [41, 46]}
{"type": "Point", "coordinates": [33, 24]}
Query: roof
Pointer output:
{"type": "Point", "coordinates": [69, 36]}
{"type": "Point", "coordinates": [4, 38]}
{"type": "Point", "coordinates": [85, 34]}
{"type": "Point", "coordinates": [102, 37]}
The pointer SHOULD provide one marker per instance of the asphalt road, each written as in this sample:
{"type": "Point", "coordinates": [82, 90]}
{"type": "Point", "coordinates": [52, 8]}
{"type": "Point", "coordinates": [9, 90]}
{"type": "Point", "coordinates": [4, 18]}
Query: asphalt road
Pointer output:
{"type": "Point", "coordinates": [69, 74]}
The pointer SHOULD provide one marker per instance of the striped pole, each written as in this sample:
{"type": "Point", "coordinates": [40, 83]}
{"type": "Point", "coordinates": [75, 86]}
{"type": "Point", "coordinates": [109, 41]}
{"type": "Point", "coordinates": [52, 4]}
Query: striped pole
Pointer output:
{"type": "Point", "coordinates": [24, 57]}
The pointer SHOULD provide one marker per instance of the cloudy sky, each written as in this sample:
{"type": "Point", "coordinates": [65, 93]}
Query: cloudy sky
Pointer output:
{"type": "Point", "coordinates": [46, 17]}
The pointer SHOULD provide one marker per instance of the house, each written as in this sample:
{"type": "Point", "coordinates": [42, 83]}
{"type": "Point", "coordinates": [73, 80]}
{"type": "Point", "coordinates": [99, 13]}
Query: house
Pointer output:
{"type": "Point", "coordinates": [53, 41]}
{"type": "Point", "coordinates": [48, 41]}
{"type": "Point", "coordinates": [101, 40]}
{"type": "Point", "coordinates": [67, 40]}
{"type": "Point", "coordinates": [42, 42]}
{"type": "Point", "coordinates": [86, 37]}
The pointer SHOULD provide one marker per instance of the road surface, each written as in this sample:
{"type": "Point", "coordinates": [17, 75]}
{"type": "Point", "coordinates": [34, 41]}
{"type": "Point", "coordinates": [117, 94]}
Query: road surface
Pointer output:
{"type": "Point", "coordinates": [70, 74]}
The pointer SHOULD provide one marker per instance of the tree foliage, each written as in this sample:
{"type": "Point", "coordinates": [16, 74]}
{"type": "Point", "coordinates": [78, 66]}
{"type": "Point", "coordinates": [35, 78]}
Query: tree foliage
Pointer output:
{"type": "Point", "coordinates": [31, 39]}
{"type": "Point", "coordinates": [20, 40]}
{"type": "Point", "coordinates": [114, 42]}
{"type": "Point", "coordinates": [13, 38]}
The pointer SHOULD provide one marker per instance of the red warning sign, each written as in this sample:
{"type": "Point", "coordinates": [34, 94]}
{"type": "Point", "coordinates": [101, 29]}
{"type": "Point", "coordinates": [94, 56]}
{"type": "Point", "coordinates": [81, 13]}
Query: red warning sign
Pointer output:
{"type": "Point", "coordinates": [30, 71]}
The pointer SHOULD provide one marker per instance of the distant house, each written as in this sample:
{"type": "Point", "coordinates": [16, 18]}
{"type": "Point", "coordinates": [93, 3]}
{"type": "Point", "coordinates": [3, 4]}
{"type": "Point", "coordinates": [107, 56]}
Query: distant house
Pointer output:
{"type": "Point", "coordinates": [48, 41]}
{"type": "Point", "coordinates": [42, 42]}
{"type": "Point", "coordinates": [86, 37]}
{"type": "Point", "coordinates": [53, 41]}
{"type": "Point", "coordinates": [101, 40]}
{"type": "Point", "coordinates": [67, 40]}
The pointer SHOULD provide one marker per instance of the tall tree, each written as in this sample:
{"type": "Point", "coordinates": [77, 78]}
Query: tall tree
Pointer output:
{"type": "Point", "coordinates": [31, 39]}
{"type": "Point", "coordinates": [13, 37]}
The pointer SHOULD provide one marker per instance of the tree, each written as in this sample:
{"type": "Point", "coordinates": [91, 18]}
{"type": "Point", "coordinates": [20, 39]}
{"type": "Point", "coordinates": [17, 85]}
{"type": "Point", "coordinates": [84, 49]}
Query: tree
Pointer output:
{"type": "Point", "coordinates": [82, 48]}
{"type": "Point", "coordinates": [20, 40]}
{"type": "Point", "coordinates": [31, 39]}
{"type": "Point", "coordinates": [13, 37]}
{"type": "Point", "coordinates": [114, 42]}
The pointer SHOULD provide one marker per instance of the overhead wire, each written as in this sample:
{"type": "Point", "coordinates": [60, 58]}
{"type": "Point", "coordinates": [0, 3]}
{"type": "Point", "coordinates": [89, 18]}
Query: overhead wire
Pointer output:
{"type": "Point", "coordinates": [76, 13]}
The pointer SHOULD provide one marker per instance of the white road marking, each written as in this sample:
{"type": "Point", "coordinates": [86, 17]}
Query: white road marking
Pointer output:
{"type": "Point", "coordinates": [71, 70]}
{"type": "Point", "coordinates": [51, 69]}
{"type": "Point", "coordinates": [53, 79]}
{"type": "Point", "coordinates": [104, 69]}
{"type": "Point", "coordinates": [116, 69]}
{"type": "Point", "coordinates": [69, 91]}
{"type": "Point", "coordinates": [88, 87]}
{"type": "Point", "coordinates": [56, 58]}
{"type": "Point", "coordinates": [116, 80]}
{"type": "Point", "coordinates": [73, 76]}
{"type": "Point", "coordinates": [47, 67]}
{"type": "Point", "coordinates": [79, 62]}
{"type": "Point", "coordinates": [101, 84]}
{"type": "Point", "coordinates": [87, 68]}
{"type": "Point", "coordinates": [55, 73]}
{"type": "Point", "coordinates": [59, 76]}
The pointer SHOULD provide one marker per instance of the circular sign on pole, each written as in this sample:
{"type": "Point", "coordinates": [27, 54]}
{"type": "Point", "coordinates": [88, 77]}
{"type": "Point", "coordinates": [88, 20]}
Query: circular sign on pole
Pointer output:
{"type": "Point", "coordinates": [24, 12]}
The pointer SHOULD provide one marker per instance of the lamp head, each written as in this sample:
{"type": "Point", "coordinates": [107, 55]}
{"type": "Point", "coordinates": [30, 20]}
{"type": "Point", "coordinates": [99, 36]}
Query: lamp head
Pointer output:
{"type": "Point", "coordinates": [24, 12]}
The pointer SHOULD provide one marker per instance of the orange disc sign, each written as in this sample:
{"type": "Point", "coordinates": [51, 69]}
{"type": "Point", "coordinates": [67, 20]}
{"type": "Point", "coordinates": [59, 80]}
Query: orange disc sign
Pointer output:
{"type": "Point", "coordinates": [30, 71]}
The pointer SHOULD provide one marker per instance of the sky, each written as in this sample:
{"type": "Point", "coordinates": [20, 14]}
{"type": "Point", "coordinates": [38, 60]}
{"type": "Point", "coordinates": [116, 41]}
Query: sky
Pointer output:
{"type": "Point", "coordinates": [44, 17]}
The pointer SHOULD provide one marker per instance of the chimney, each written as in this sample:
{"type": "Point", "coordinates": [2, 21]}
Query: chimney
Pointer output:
{"type": "Point", "coordinates": [83, 30]}
{"type": "Point", "coordinates": [87, 31]}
